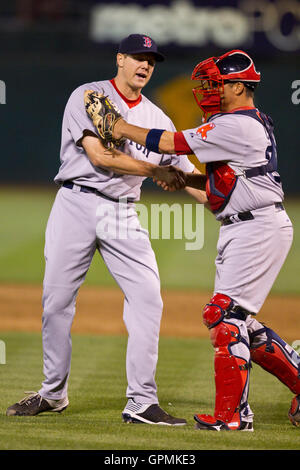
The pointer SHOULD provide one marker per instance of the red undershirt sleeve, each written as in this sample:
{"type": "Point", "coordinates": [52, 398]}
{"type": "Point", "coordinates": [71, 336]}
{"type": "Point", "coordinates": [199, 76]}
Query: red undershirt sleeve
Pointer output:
{"type": "Point", "coordinates": [181, 145]}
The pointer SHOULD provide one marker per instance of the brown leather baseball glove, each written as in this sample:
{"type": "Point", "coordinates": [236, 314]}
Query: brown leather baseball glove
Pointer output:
{"type": "Point", "coordinates": [104, 114]}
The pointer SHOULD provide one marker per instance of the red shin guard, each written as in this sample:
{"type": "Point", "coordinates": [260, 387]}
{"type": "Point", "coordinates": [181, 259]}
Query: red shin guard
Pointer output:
{"type": "Point", "coordinates": [231, 375]}
{"type": "Point", "coordinates": [278, 358]}
{"type": "Point", "coordinates": [231, 371]}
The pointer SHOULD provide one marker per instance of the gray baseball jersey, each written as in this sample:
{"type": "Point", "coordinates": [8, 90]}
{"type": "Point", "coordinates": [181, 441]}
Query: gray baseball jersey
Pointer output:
{"type": "Point", "coordinates": [240, 141]}
{"type": "Point", "coordinates": [75, 165]}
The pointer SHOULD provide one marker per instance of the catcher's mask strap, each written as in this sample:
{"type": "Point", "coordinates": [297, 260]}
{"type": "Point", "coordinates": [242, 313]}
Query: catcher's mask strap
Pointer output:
{"type": "Point", "coordinates": [153, 139]}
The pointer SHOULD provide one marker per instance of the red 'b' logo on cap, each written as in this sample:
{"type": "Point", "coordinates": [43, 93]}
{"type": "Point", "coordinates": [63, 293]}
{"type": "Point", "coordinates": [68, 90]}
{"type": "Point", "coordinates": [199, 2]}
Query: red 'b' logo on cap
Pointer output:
{"type": "Point", "coordinates": [147, 42]}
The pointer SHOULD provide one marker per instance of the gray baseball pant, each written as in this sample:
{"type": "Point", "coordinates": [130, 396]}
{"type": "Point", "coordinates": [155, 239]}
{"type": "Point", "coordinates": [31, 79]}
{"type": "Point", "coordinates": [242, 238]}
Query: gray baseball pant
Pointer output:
{"type": "Point", "coordinates": [79, 224]}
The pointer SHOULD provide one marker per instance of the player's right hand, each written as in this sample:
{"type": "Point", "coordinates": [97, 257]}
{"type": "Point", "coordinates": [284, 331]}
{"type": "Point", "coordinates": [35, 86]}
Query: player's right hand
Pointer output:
{"type": "Point", "coordinates": [170, 178]}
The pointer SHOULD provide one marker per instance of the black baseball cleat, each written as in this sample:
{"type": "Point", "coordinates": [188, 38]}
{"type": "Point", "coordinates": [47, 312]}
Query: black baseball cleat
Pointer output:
{"type": "Point", "coordinates": [149, 414]}
{"type": "Point", "coordinates": [210, 423]}
{"type": "Point", "coordinates": [294, 411]}
{"type": "Point", "coordinates": [33, 404]}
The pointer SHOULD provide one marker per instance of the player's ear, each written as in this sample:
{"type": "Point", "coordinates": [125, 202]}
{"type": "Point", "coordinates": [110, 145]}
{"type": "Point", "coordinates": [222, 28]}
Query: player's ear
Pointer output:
{"type": "Point", "coordinates": [120, 59]}
{"type": "Point", "coordinates": [238, 88]}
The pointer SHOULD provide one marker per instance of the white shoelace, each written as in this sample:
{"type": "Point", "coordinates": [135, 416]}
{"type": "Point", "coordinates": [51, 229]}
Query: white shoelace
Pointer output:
{"type": "Point", "coordinates": [27, 399]}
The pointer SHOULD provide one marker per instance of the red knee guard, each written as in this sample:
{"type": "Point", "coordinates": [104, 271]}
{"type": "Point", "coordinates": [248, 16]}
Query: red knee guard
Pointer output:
{"type": "Point", "coordinates": [214, 312]}
{"type": "Point", "coordinates": [278, 358]}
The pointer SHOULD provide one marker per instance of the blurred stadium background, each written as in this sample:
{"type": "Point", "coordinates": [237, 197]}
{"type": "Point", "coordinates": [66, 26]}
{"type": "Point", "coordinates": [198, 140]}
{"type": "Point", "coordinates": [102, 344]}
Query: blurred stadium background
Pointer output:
{"type": "Point", "coordinates": [49, 47]}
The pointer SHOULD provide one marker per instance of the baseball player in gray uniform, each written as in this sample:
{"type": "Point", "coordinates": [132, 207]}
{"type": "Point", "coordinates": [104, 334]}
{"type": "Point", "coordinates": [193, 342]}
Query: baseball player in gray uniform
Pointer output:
{"type": "Point", "coordinates": [96, 190]}
{"type": "Point", "coordinates": [245, 193]}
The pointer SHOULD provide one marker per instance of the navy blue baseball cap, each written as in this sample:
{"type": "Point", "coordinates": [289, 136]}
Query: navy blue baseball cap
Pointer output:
{"type": "Point", "coordinates": [140, 43]}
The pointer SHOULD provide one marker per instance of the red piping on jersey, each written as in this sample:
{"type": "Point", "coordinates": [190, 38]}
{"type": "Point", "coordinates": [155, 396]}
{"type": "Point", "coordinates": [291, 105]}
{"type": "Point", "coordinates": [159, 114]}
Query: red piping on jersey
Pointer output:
{"type": "Point", "coordinates": [246, 107]}
{"type": "Point", "coordinates": [180, 144]}
{"type": "Point", "coordinates": [241, 108]}
{"type": "Point", "coordinates": [233, 110]}
{"type": "Point", "coordinates": [130, 103]}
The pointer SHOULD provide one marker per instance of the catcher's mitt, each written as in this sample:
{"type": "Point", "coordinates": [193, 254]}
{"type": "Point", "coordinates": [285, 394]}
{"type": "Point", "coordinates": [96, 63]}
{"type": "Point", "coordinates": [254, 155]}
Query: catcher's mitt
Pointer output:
{"type": "Point", "coordinates": [104, 114]}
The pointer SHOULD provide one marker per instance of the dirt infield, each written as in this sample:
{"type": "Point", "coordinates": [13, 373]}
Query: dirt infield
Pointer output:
{"type": "Point", "coordinates": [99, 311]}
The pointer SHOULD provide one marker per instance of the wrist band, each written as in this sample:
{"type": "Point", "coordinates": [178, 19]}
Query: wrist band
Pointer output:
{"type": "Point", "coordinates": [153, 138]}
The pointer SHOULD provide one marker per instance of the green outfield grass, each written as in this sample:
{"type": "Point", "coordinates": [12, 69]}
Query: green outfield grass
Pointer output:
{"type": "Point", "coordinates": [24, 217]}
{"type": "Point", "coordinates": [97, 396]}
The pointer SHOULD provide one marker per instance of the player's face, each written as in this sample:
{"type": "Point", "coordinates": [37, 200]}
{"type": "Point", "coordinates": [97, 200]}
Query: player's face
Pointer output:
{"type": "Point", "coordinates": [227, 97]}
{"type": "Point", "coordinates": [137, 69]}
{"type": "Point", "coordinates": [232, 92]}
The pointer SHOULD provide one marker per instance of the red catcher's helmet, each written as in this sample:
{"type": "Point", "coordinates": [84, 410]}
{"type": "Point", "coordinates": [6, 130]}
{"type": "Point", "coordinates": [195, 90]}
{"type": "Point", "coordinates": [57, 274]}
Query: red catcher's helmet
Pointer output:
{"type": "Point", "coordinates": [234, 66]}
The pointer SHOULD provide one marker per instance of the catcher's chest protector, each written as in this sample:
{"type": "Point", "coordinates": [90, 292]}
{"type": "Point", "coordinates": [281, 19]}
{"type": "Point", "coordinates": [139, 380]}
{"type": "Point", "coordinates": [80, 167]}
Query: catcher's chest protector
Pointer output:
{"type": "Point", "coordinates": [220, 183]}
{"type": "Point", "coordinates": [221, 178]}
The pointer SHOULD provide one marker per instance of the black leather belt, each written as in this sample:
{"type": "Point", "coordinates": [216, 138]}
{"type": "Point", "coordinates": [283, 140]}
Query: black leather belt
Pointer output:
{"type": "Point", "coordinates": [242, 216]}
{"type": "Point", "coordinates": [87, 189]}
